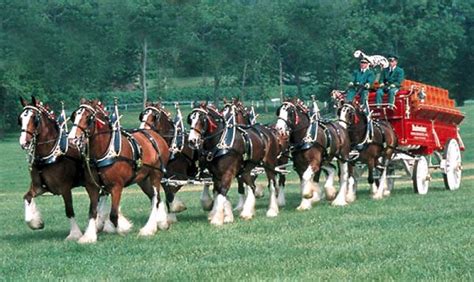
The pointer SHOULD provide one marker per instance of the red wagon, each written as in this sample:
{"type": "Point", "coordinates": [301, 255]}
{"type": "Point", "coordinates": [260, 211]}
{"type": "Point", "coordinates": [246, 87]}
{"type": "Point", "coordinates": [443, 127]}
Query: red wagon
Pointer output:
{"type": "Point", "coordinates": [426, 123]}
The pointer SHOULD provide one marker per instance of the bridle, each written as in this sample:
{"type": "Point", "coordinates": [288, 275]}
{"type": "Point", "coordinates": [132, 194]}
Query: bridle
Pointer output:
{"type": "Point", "coordinates": [90, 120]}
{"type": "Point", "coordinates": [157, 114]}
{"type": "Point", "coordinates": [295, 107]}
{"type": "Point", "coordinates": [36, 122]}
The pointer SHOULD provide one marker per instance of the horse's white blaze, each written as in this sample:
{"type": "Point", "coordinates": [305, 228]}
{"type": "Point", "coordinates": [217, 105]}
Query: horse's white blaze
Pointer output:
{"type": "Point", "coordinates": [273, 205]}
{"type": "Point", "coordinates": [25, 119]}
{"type": "Point", "coordinates": [248, 210]}
{"type": "Point", "coordinates": [193, 134]}
{"type": "Point", "coordinates": [343, 117]}
{"type": "Point", "coordinates": [33, 215]}
{"type": "Point", "coordinates": [206, 200]}
{"type": "Point", "coordinates": [75, 232]}
{"type": "Point", "coordinates": [143, 124]}
{"type": "Point", "coordinates": [72, 133]}
{"type": "Point", "coordinates": [152, 223]}
{"type": "Point", "coordinates": [90, 236]}
{"type": "Point", "coordinates": [329, 185]}
{"type": "Point", "coordinates": [281, 125]}
{"type": "Point", "coordinates": [217, 212]}
{"type": "Point", "coordinates": [341, 196]}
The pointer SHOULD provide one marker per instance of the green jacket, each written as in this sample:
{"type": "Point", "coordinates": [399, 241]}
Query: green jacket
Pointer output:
{"type": "Point", "coordinates": [396, 77]}
{"type": "Point", "coordinates": [361, 78]}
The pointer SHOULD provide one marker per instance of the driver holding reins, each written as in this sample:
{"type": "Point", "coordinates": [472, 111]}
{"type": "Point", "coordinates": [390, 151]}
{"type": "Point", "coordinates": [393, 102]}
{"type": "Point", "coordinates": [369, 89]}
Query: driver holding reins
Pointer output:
{"type": "Point", "coordinates": [390, 81]}
{"type": "Point", "coordinates": [363, 78]}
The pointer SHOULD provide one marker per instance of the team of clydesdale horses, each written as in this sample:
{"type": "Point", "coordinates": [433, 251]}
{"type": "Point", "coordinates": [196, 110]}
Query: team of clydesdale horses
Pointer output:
{"type": "Point", "coordinates": [221, 145]}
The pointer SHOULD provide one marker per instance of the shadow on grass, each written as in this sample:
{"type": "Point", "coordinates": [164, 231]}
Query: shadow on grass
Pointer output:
{"type": "Point", "coordinates": [26, 235]}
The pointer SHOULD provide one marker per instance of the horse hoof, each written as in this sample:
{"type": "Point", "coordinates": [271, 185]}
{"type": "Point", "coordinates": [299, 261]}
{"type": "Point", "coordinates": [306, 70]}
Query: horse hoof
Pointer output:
{"type": "Point", "coordinates": [386, 193]}
{"type": "Point", "coordinates": [74, 236]}
{"type": "Point", "coordinates": [377, 197]}
{"type": "Point", "coordinates": [207, 205]}
{"type": "Point", "coordinates": [87, 240]}
{"type": "Point", "coordinates": [350, 199]}
{"type": "Point", "coordinates": [163, 225]}
{"type": "Point", "coordinates": [246, 216]}
{"type": "Point", "coordinates": [145, 232]}
{"type": "Point", "coordinates": [303, 207]}
{"type": "Point", "coordinates": [36, 224]}
{"type": "Point", "coordinates": [178, 206]}
{"type": "Point", "coordinates": [339, 203]}
{"type": "Point", "coordinates": [124, 226]}
{"type": "Point", "coordinates": [109, 227]}
{"type": "Point", "coordinates": [272, 213]}
{"type": "Point", "coordinates": [330, 194]}
{"type": "Point", "coordinates": [172, 218]}
{"type": "Point", "coordinates": [228, 219]}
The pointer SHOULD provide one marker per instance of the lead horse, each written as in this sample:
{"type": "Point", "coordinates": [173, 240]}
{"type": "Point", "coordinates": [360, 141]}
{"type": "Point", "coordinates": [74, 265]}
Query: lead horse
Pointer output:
{"type": "Point", "coordinates": [231, 151]}
{"type": "Point", "coordinates": [313, 145]}
{"type": "Point", "coordinates": [55, 164]}
{"type": "Point", "coordinates": [115, 159]}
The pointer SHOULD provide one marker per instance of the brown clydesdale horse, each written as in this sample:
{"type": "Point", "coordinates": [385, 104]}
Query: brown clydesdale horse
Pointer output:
{"type": "Point", "coordinates": [182, 164]}
{"type": "Point", "coordinates": [231, 151]}
{"type": "Point", "coordinates": [55, 164]}
{"type": "Point", "coordinates": [375, 142]}
{"type": "Point", "coordinates": [115, 159]}
{"type": "Point", "coordinates": [247, 118]}
{"type": "Point", "coordinates": [314, 144]}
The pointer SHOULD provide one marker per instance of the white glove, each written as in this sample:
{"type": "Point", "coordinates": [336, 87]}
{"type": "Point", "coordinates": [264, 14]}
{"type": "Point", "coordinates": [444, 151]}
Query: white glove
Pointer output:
{"type": "Point", "coordinates": [367, 85]}
{"type": "Point", "coordinates": [381, 85]}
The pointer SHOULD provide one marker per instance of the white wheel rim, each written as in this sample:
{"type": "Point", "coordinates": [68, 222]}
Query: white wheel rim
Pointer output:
{"type": "Point", "coordinates": [453, 165]}
{"type": "Point", "coordinates": [422, 179]}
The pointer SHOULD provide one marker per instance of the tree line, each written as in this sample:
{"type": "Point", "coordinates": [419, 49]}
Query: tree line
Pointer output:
{"type": "Point", "coordinates": [61, 50]}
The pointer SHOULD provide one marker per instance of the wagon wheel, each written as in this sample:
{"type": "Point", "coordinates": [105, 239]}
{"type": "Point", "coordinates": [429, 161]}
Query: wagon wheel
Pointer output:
{"type": "Point", "coordinates": [452, 169]}
{"type": "Point", "coordinates": [421, 176]}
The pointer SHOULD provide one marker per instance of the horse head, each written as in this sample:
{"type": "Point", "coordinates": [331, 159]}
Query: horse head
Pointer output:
{"type": "Point", "coordinates": [89, 119]}
{"type": "Point", "coordinates": [203, 120]}
{"type": "Point", "coordinates": [292, 115]}
{"type": "Point", "coordinates": [353, 117]}
{"type": "Point", "coordinates": [155, 117]}
{"type": "Point", "coordinates": [35, 119]}
{"type": "Point", "coordinates": [241, 114]}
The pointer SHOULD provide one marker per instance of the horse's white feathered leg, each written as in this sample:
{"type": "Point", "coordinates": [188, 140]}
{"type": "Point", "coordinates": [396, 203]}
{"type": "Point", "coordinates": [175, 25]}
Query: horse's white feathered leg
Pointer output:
{"type": "Point", "coordinates": [33, 215]}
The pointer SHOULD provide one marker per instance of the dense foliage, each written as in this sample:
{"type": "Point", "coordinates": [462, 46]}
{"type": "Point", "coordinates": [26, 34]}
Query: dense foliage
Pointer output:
{"type": "Point", "coordinates": [62, 50]}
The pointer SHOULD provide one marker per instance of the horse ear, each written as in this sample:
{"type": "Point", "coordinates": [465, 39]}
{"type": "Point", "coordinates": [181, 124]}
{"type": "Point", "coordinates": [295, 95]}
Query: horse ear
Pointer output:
{"type": "Point", "coordinates": [224, 100]}
{"type": "Point", "coordinates": [23, 102]}
{"type": "Point", "coordinates": [83, 101]}
{"type": "Point", "coordinates": [33, 100]}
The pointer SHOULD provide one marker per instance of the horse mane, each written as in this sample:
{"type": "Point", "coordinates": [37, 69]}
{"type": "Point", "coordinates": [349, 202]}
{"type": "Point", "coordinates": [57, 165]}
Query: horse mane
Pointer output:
{"type": "Point", "coordinates": [43, 108]}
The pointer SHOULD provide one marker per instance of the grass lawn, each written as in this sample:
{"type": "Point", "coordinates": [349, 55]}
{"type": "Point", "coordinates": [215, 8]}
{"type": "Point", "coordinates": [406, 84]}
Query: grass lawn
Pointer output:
{"type": "Point", "coordinates": [403, 237]}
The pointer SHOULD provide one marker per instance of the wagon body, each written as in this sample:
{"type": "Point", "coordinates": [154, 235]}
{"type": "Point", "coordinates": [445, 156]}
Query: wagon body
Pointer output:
{"type": "Point", "coordinates": [426, 124]}
{"type": "Point", "coordinates": [422, 126]}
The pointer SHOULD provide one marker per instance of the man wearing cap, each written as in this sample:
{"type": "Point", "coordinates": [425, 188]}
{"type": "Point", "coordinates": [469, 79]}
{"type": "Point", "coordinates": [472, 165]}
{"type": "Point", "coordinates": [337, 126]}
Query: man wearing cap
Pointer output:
{"type": "Point", "coordinates": [361, 82]}
{"type": "Point", "coordinates": [390, 81]}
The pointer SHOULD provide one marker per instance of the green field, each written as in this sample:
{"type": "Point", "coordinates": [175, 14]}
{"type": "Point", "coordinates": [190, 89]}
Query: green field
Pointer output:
{"type": "Point", "coordinates": [403, 237]}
